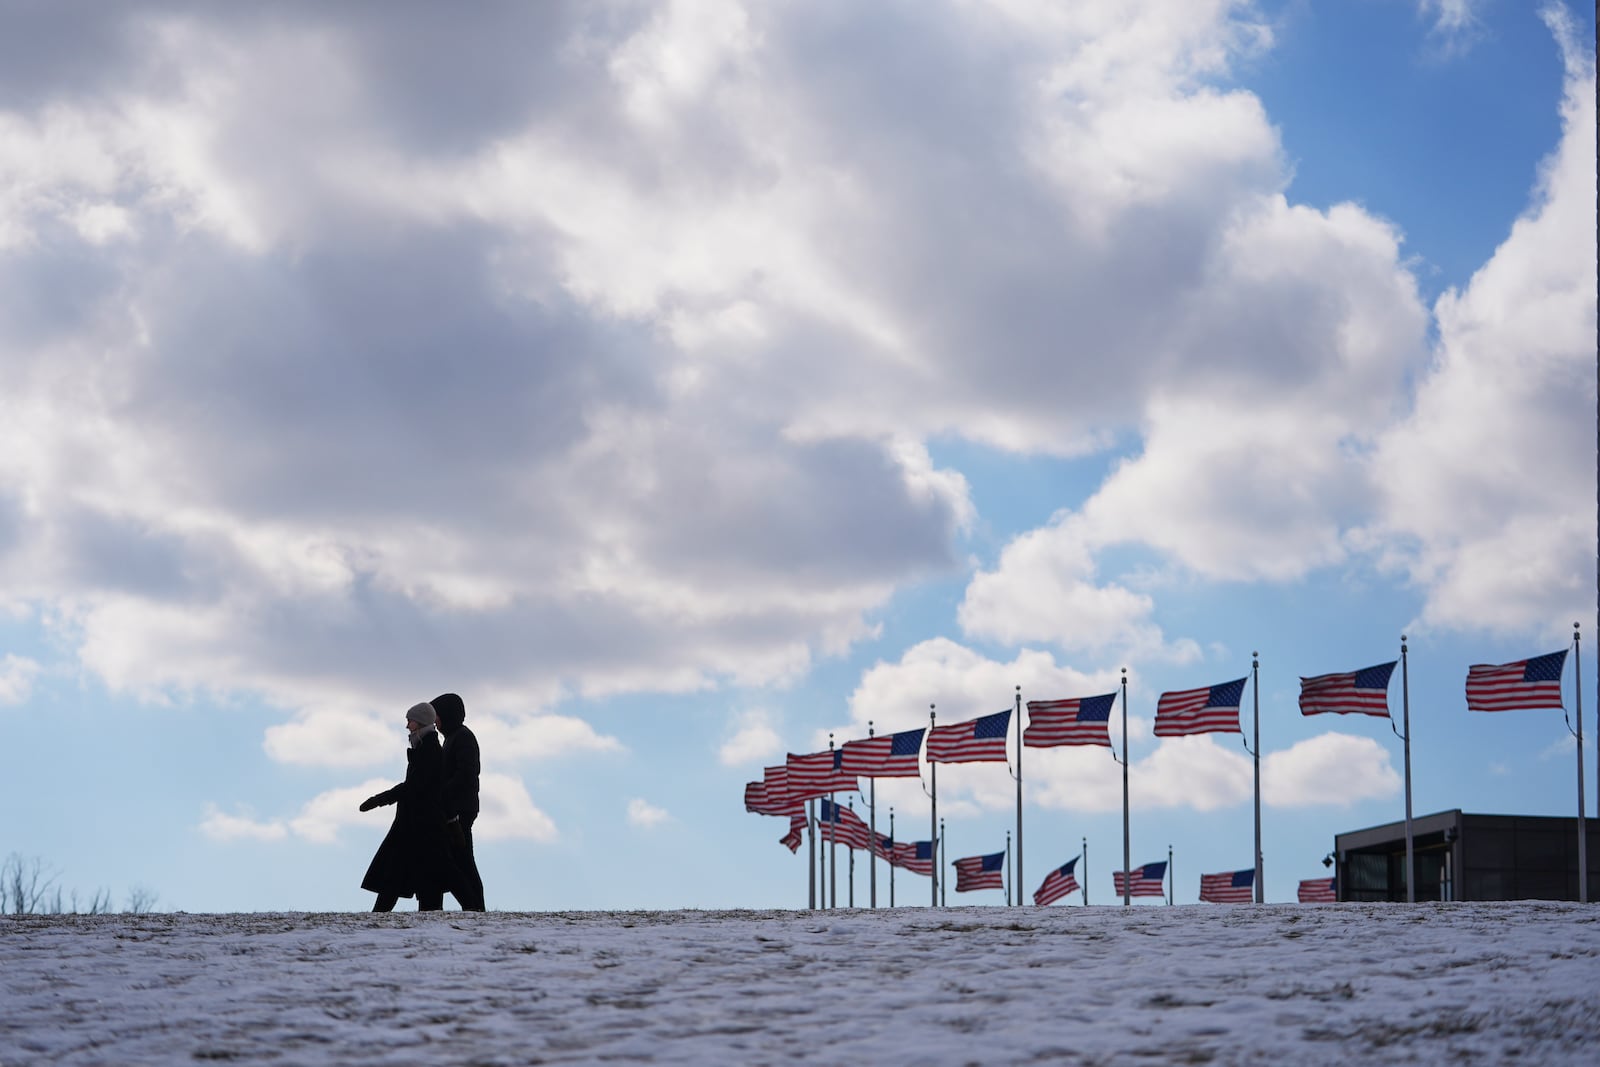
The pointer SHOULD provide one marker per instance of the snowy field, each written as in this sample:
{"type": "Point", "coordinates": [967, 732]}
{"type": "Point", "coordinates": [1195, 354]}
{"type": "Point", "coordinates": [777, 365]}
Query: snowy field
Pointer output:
{"type": "Point", "coordinates": [1280, 984]}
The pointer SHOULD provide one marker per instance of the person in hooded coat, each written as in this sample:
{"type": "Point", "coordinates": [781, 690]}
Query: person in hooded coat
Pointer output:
{"type": "Point", "coordinates": [461, 769]}
{"type": "Point", "coordinates": [414, 858]}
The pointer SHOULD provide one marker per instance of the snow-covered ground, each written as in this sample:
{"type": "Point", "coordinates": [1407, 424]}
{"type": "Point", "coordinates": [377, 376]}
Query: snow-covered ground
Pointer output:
{"type": "Point", "coordinates": [1281, 984]}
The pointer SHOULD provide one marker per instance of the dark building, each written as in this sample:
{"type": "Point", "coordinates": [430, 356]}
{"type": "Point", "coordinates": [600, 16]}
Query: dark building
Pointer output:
{"type": "Point", "coordinates": [1468, 857]}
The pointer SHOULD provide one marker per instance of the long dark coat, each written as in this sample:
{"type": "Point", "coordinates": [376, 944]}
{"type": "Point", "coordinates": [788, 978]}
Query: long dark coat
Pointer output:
{"type": "Point", "coordinates": [415, 857]}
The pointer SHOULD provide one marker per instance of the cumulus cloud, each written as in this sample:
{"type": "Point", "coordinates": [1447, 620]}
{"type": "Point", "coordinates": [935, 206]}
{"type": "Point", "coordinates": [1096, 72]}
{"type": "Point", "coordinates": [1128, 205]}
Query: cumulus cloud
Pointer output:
{"type": "Point", "coordinates": [582, 356]}
{"type": "Point", "coordinates": [1329, 769]}
{"type": "Point", "coordinates": [644, 814]}
{"type": "Point", "coordinates": [17, 674]}
{"type": "Point", "coordinates": [1479, 482]}
{"type": "Point", "coordinates": [507, 813]}
{"type": "Point", "coordinates": [755, 740]}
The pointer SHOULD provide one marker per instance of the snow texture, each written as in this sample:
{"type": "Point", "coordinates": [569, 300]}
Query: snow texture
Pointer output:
{"type": "Point", "coordinates": [1279, 984]}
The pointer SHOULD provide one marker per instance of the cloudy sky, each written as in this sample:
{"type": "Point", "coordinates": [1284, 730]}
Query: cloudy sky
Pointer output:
{"type": "Point", "coordinates": [680, 382]}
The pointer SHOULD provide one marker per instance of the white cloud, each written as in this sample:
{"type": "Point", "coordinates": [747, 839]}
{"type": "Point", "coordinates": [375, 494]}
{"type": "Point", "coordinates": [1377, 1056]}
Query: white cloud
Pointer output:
{"type": "Point", "coordinates": [509, 814]}
{"type": "Point", "coordinates": [1329, 769]}
{"type": "Point", "coordinates": [539, 737]}
{"type": "Point", "coordinates": [1483, 484]}
{"type": "Point", "coordinates": [644, 814]}
{"type": "Point", "coordinates": [336, 738]}
{"type": "Point", "coordinates": [754, 740]}
{"type": "Point", "coordinates": [17, 674]}
{"type": "Point", "coordinates": [220, 826]}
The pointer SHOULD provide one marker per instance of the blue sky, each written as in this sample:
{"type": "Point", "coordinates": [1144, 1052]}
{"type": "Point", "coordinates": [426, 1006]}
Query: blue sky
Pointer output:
{"type": "Point", "coordinates": [680, 383]}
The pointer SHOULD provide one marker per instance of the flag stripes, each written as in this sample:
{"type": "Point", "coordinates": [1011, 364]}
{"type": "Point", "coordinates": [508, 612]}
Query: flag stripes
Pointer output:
{"type": "Point", "coordinates": [980, 872]}
{"type": "Point", "coordinates": [1148, 881]}
{"type": "Point", "coordinates": [975, 741]}
{"type": "Point", "coordinates": [1525, 685]}
{"type": "Point", "coordinates": [1318, 891]}
{"type": "Point", "coordinates": [1363, 692]}
{"type": "Point", "coordinates": [1211, 709]}
{"type": "Point", "coordinates": [1057, 884]}
{"type": "Point", "coordinates": [1080, 721]}
{"type": "Point", "coordinates": [817, 775]}
{"type": "Point", "coordinates": [1229, 887]}
{"type": "Point", "coordinates": [889, 756]}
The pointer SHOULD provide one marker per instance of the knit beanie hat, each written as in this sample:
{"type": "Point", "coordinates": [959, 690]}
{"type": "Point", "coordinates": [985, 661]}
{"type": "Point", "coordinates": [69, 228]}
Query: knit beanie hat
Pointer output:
{"type": "Point", "coordinates": [450, 708]}
{"type": "Point", "coordinates": [422, 714]}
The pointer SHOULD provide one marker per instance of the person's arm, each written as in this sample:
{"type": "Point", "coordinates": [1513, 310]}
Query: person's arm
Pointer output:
{"type": "Point", "coordinates": [388, 796]}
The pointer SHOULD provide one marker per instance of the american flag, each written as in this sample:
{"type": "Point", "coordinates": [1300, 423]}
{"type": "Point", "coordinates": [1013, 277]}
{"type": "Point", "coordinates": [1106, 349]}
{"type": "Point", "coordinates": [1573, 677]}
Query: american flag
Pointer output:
{"type": "Point", "coordinates": [1363, 692]}
{"type": "Point", "coordinates": [797, 824]}
{"type": "Point", "coordinates": [1525, 684]}
{"type": "Point", "coordinates": [885, 848]}
{"type": "Point", "coordinates": [1148, 881]}
{"type": "Point", "coordinates": [840, 822]}
{"type": "Point", "coordinates": [1057, 884]}
{"type": "Point", "coordinates": [770, 796]}
{"type": "Point", "coordinates": [817, 775]}
{"type": "Point", "coordinates": [1212, 709]}
{"type": "Point", "coordinates": [973, 741]}
{"type": "Point", "coordinates": [981, 872]}
{"type": "Point", "coordinates": [1318, 891]}
{"type": "Point", "coordinates": [889, 756]}
{"type": "Point", "coordinates": [914, 856]}
{"type": "Point", "coordinates": [1229, 887]}
{"type": "Point", "coordinates": [1081, 721]}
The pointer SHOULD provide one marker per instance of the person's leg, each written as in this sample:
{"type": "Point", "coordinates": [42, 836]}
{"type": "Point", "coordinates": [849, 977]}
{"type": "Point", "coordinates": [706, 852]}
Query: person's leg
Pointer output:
{"type": "Point", "coordinates": [470, 866]}
{"type": "Point", "coordinates": [385, 902]}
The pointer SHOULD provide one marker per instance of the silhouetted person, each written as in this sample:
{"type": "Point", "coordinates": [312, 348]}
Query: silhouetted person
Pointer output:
{"type": "Point", "coordinates": [414, 859]}
{"type": "Point", "coordinates": [461, 769]}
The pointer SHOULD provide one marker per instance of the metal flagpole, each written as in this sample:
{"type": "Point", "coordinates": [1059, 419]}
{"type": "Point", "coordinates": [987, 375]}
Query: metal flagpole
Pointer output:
{"type": "Point", "coordinates": [1009, 880]}
{"type": "Point", "coordinates": [1255, 687]}
{"type": "Point", "coordinates": [850, 862]}
{"type": "Point", "coordinates": [891, 861]}
{"type": "Point", "coordinates": [1018, 714]}
{"type": "Point", "coordinates": [1084, 885]}
{"type": "Point", "coordinates": [1405, 696]}
{"type": "Point", "coordinates": [811, 861]}
{"type": "Point", "coordinates": [872, 827]}
{"type": "Point", "coordinates": [1172, 878]}
{"type": "Point", "coordinates": [833, 844]}
{"type": "Point", "coordinates": [940, 853]}
{"type": "Point", "coordinates": [1583, 835]}
{"type": "Point", "coordinates": [933, 817]}
{"type": "Point", "coordinates": [1127, 852]}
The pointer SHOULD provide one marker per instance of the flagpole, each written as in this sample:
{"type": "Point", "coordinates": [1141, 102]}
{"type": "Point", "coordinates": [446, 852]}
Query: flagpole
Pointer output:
{"type": "Point", "coordinates": [933, 816]}
{"type": "Point", "coordinates": [940, 853]}
{"type": "Point", "coordinates": [1583, 836]}
{"type": "Point", "coordinates": [1405, 696]}
{"type": "Point", "coordinates": [811, 862]}
{"type": "Point", "coordinates": [1085, 884]}
{"type": "Point", "coordinates": [891, 857]}
{"type": "Point", "coordinates": [833, 844]}
{"type": "Point", "coordinates": [1255, 688]}
{"type": "Point", "coordinates": [1009, 881]}
{"type": "Point", "coordinates": [1172, 878]}
{"type": "Point", "coordinates": [850, 863]}
{"type": "Point", "coordinates": [1127, 852]}
{"type": "Point", "coordinates": [1018, 715]}
{"type": "Point", "coordinates": [872, 826]}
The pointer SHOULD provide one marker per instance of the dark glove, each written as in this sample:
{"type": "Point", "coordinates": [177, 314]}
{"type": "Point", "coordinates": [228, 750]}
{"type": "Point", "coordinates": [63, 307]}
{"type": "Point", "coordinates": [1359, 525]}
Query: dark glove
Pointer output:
{"type": "Point", "coordinates": [370, 803]}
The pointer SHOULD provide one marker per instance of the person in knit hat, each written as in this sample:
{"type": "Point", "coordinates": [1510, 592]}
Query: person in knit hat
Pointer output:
{"type": "Point", "coordinates": [414, 858]}
{"type": "Point", "coordinates": [462, 767]}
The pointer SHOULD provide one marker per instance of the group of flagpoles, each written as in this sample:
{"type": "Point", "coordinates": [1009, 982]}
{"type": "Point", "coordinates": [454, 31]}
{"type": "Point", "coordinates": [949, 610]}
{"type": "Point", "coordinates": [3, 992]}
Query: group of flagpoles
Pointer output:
{"type": "Point", "coordinates": [936, 827]}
